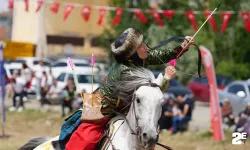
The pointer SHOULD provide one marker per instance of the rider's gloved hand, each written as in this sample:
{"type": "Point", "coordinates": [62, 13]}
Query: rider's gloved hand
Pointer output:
{"type": "Point", "coordinates": [170, 72]}
{"type": "Point", "coordinates": [185, 45]}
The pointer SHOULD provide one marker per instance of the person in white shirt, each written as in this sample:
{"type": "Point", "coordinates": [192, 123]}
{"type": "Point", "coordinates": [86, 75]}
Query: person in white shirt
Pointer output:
{"type": "Point", "coordinates": [54, 92]}
{"type": "Point", "coordinates": [39, 69]}
{"type": "Point", "coordinates": [26, 73]}
{"type": "Point", "coordinates": [18, 85]}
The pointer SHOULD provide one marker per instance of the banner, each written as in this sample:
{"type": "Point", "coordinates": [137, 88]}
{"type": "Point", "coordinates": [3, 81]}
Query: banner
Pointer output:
{"type": "Point", "coordinates": [2, 82]}
{"type": "Point", "coordinates": [12, 50]}
{"type": "Point", "coordinates": [215, 112]}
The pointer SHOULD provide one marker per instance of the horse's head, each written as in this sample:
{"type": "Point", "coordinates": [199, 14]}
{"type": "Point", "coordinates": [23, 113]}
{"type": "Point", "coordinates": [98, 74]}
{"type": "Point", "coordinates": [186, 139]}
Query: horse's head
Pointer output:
{"type": "Point", "coordinates": [147, 106]}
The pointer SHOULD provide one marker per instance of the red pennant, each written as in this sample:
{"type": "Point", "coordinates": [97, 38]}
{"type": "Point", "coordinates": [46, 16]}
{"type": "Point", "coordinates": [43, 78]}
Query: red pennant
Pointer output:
{"type": "Point", "coordinates": [211, 20]}
{"type": "Point", "coordinates": [85, 13]}
{"type": "Point", "coordinates": [246, 19]}
{"type": "Point", "coordinates": [225, 17]}
{"type": "Point", "coordinates": [26, 5]}
{"type": "Point", "coordinates": [67, 11]}
{"type": "Point", "coordinates": [168, 13]}
{"type": "Point", "coordinates": [39, 5]}
{"type": "Point", "coordinates": [102, 12]}
{"type": "Point", "coordinates": [55, 7]}
{"type": "Point", "coordinates": [157, 17]}
{"type": "Point", "coordinates": [140, 15]}
{"type": "Point", "coordinates": [191, 17]}
{"type": "Point", "coordinates": [117, 18]}
{"type": "Point", "coordinates": [11, 4]}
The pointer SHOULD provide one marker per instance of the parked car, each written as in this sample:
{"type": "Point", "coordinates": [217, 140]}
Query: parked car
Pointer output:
{"type": "Point", "coordinates": [60, 65]}
{"type": "Point", "coordinates": [84, 79]}
{"type": "Point", "coordinates": [32, 61]}
{"type": "Point", "coordinates": [238, 93]}
{"type": "Point", "coordinates": [200, 88]}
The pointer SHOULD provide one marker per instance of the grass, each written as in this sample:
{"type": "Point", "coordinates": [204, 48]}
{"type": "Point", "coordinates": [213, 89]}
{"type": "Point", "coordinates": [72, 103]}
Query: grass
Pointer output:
{"type": "Point", "coordinates": [29, 124]}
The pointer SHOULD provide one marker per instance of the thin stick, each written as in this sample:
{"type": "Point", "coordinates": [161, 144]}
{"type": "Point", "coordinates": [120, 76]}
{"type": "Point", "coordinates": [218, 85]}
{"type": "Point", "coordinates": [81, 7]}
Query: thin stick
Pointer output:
{"type": "Point", "coordinates": [92, 83]}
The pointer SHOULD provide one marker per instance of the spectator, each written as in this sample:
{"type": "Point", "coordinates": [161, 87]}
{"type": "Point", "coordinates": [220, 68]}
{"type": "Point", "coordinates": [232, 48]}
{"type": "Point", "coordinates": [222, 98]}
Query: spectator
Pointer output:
{"type": "Point", "coordinates": [26, 75]}
{"type": "Point", "coordinates": [247, 110]}
{"type": "Point", "coordinates": [44, 89]}
{"type": "Point", "coordinates": [39, 69]}
{"type": "Point", "coordinates": [70, 82]}
{"type": "Point", "coordinates": [78, 102]}
{"type": "Point", "coordinates": [70, 96]}
{"type": "Point", "coordinates": [165, 121]}
{"type": "Point", "coordinates": [227, 113]}
{"type": "Point", "coordinates": [50, 78]}
{"type": "Point", "coordinates": [18, 86]}
{"type": "Point", "coordinates": [186, 106]}
{"type": "Point", "coordinates": [54, 92]}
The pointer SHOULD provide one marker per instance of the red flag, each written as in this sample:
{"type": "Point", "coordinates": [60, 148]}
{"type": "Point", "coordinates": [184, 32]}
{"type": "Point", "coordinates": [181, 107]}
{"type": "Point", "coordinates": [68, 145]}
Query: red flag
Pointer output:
{"type": "Point", "coordinates": [39, 5]}
{"type": "Point", "coordinates": [55, 6]}
{"type": "Point", "coordinates": [225, 17]}
{"type": "Point", "coordinates": [26, 5]}
{"type": "Point", "coordinates": [117, 18]}
{"type": "Point", "coordinates": [11, 4]}
{"type": "Point", "coordinates": [157, 17]}
{"type": "Point", "coordinates": [215, 112]}
{"type": "Point", "coordinates": [246, 19]}
{"type": "Point", "coordinates": [102, 12]}
{"type": "Point", "coordinates": [191, 17]}
{"type": "Point", "coordinates": [140, 15]}
{"type": "Point", "coordinates": [85, 13]}
{"type": "Point", "coordinates": [168, 13]}
{"type": "Point", "coordinates": [67, 11]}
{"type": "Point", "coordinates": [211, 20]}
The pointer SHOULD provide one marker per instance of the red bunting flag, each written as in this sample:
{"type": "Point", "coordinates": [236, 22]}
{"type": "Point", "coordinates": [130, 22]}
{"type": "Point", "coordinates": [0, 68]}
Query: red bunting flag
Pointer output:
{"type": "Point", "coordinates": [225, 17]}
{"type": "Point", "coordinates": [55, 7]}
{"type": "Point", "coordinates": [211, 20]}
{"type": "Point", "coordinates": [85, 13]}
{"type": "Point", "coordinates": [67, 11]}
{"type": "Point", "coordinates": [11, 4]}
{"type": "Point", "coordinates": [246, 19]}
{"type": "Point", "coordinates": [168, 13]}
{"type": "Point", "coordinates": [191, 17]}
{"type": "Point", "coordinates": [26, 2]}
{"type": "Point", "coordinates": [102, 12]}
{"type": "Point", "coordinates": [157, 17]}
{"type": "Point", "coordinates": [117, 18]}
{"type": "Point", "coordinates": [140, 15]}
{"type": "Point", "coordinates": [39, 5]}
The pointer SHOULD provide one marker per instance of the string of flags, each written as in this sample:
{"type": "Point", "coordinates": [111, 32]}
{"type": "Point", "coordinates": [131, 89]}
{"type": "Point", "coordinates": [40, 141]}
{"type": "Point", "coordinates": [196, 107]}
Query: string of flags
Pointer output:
{"type": "Point", "coordinates": [156, 14]}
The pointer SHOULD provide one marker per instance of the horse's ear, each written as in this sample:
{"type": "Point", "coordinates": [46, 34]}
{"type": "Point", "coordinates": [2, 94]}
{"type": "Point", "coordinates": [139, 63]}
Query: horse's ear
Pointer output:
{"type": "Point", "coordinates": [159, 79]}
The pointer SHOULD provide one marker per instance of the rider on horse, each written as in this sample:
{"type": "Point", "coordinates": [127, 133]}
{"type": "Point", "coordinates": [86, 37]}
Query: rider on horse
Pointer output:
{"type": "Point", "coordinates": [129, 51]}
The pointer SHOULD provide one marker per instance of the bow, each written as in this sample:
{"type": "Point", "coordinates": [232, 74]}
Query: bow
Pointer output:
{"type": "Point", "coordinates": [173, 62]}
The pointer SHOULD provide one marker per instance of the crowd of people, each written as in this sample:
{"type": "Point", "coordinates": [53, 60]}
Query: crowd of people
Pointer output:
{"type": "Point", "coordinates": [45, 86]}
{"type": "Point", "coordinates": [176, 113]}
{"type": "Point", "coordinates": [241, 121]}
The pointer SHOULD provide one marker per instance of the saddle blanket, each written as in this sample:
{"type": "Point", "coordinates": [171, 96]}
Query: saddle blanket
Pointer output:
{"type": "Point", "coordinates": [47, 145]}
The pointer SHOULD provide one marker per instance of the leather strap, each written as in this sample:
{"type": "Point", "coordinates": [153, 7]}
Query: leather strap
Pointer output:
{"type": "Point", "coordinates": [164, 146]}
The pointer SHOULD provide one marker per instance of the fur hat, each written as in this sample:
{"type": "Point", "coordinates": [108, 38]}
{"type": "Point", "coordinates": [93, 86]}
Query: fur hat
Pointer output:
{"type": "Point", "coordinates": [126, 44]}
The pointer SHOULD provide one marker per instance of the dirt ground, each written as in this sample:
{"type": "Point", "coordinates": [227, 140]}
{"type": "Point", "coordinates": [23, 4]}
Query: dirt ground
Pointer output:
{"type": "Point", "coordinates": [29, 124]}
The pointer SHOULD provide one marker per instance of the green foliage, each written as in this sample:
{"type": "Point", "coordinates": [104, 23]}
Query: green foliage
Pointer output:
{"type": "Point", "coordinates": [230, 50]}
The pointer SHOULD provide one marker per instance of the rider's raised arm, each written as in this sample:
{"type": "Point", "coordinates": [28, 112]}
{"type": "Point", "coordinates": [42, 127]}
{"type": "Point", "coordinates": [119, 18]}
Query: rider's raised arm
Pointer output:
{"type": "Point", "coordinates": [158, 57]}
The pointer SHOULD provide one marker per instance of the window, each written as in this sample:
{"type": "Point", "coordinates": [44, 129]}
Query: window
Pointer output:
{"type": "Point", "coordinates": [19, 61]}
{"type": "Point", "coordinates": [44, 62]}
{"type": "Point", "coordinates": [61, 77]}
{"type": "Point", "coordinates": [81, 65]}
{"type": "Point", "coordinates": [236, 88]}
{"type": "Point", "coordinates": [60, 64]}
{"type": "Point", "coordinates": [86, 78]}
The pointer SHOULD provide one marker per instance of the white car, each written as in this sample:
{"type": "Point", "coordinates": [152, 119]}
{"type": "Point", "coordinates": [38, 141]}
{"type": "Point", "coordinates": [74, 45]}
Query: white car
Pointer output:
{"type": "Point", "coordinates": [11, 67]}
{"type": "Point", "coordinates": [32, 61]}
{"type": "Point", "coordinates": [84, 78]}
{"type": "Point", "coordinates": [60, 65]}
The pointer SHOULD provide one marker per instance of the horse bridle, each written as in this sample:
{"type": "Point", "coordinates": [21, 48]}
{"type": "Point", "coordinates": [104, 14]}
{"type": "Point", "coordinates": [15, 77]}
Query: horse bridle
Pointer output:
{"type": "Point", "coordinates": [138, 128]}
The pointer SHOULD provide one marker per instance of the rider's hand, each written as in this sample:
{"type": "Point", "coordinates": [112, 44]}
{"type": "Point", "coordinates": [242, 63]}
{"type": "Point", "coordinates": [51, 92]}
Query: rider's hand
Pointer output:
{"type": "Point", "coordinates": [185, 45]}
{"type": "Point", "coordinates": [170, 72]}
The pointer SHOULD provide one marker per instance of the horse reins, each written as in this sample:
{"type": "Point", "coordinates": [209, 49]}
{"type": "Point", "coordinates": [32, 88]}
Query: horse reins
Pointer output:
{"type": "Point", "coordinates": [138, 129]}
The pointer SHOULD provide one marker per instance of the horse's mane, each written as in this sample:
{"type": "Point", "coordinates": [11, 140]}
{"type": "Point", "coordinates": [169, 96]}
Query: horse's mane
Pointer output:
{"type": "Point", "coordinates": [125, 88]}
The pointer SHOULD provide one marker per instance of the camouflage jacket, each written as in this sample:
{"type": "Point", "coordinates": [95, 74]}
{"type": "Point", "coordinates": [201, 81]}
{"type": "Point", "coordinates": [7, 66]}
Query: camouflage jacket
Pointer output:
{"type": "Point", "coordinates": [155, 57]}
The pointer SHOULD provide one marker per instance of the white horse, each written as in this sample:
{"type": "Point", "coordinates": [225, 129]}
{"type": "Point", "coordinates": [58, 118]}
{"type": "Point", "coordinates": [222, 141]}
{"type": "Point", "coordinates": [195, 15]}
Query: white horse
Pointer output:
{"type": "Point", "coordinates": [139, 128]}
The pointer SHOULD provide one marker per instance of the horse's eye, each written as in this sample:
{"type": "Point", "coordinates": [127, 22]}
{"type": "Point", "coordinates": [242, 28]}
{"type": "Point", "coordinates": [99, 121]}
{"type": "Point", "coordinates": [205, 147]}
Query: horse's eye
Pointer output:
{"type": "Point", "coordinates": [138, 100]}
